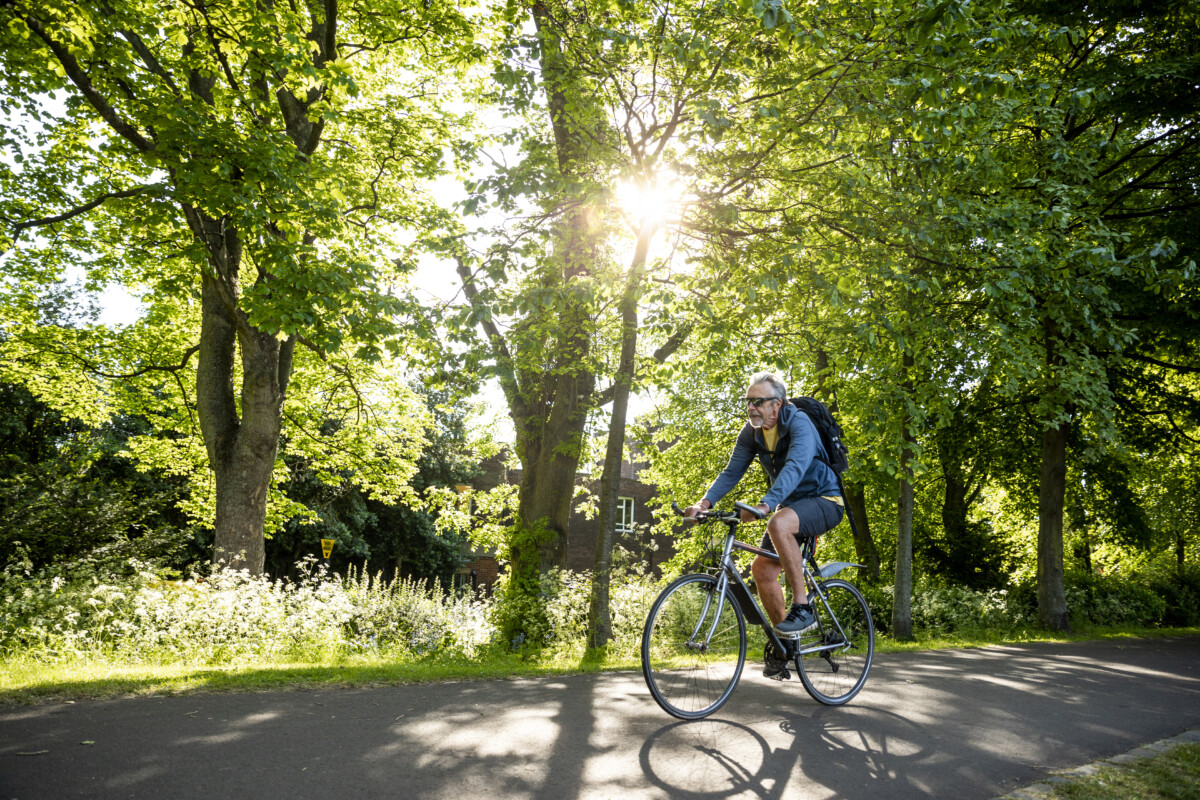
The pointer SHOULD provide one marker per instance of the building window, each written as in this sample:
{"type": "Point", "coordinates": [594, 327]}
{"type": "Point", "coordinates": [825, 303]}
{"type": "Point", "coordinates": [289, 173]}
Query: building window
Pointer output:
{"type": "Point", "coordinates": [624, 515]}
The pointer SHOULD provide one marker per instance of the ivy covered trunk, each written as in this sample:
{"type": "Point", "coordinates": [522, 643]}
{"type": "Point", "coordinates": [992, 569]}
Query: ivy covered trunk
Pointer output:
{"type": "Point", "coordinates": [550, 449]}
{"type": "Point", "coordinates": [554, 380]}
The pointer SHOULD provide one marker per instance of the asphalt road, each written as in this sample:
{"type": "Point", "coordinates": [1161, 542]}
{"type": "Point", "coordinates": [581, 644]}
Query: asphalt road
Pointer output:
{"type": "Point", "coordinates": [954, 724]}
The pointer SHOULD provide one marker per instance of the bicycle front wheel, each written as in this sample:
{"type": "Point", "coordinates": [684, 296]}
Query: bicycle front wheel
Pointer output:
{"type": "Point", "coordinates": [693, 647]}
{"type": "Point", "coordinates": [835, 675]}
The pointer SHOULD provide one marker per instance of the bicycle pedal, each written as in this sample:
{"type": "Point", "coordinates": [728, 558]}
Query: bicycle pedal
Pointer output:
{"type": "Point", "coordinates": [782, 675]}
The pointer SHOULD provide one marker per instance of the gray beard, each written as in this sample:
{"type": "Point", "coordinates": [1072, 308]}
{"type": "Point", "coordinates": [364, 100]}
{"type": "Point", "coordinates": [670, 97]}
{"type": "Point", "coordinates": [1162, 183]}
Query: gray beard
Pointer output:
{"type": "Point", "coordinates": [756, 423]}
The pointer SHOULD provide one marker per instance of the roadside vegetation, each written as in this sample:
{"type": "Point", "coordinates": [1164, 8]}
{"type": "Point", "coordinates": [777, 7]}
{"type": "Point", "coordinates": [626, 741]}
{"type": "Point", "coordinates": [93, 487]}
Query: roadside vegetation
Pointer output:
{"type": "Point", "coordinates": [89, 630]}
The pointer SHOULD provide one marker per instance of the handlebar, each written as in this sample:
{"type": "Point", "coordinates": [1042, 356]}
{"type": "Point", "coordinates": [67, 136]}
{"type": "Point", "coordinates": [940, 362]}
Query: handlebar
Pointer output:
{"type": "Point", "coordinates": [724, 516]}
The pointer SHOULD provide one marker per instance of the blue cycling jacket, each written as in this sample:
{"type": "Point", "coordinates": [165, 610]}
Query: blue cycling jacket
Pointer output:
{"type": "Point", "coordinates": [797, 470]}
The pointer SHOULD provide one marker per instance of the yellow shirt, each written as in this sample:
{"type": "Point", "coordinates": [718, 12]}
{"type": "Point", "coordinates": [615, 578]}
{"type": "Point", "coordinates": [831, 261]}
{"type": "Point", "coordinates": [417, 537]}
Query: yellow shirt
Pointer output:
{"type": "Point", "coordinates": [771, 437]}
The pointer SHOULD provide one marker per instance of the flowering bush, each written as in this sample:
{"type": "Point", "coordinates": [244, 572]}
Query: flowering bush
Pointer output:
{"type": "Point", "coordinates": [414, 617]}
{"type": "Point", "coordinates": [231, 617]}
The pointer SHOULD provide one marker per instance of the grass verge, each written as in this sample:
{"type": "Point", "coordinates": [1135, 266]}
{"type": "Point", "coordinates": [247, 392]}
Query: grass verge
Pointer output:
{"type": "Point", "coordinates": [984, 638]}
{"type": "Point", "coordinates": [25, 679]}
{"type": "Point", "coordinates": [1174, 775]}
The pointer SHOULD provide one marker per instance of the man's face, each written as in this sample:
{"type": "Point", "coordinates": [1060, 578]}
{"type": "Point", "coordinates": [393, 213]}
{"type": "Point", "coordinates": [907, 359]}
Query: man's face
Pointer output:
{"type": "Point", "coordinates": [766, 413]}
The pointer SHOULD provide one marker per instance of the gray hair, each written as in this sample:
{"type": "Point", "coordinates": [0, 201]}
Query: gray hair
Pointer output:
{"type": "Point", "coordinates": [778, 389]}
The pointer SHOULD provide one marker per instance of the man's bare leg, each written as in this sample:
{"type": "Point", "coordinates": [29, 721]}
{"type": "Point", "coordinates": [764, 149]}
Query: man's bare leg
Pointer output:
{"type": "Point", "coordinates": [766, 580]}
{"type": "Point", "coordinates": [782, 528]}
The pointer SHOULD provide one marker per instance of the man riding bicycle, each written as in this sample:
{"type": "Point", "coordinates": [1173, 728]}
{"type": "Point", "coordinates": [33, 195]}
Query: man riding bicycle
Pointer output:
{"type": "Point", "coordinates": [803, 499]}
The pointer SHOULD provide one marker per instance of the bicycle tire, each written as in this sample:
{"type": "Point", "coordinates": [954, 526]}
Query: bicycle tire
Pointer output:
{"type": "Point", "coordinates": [836, 676]}
{"type": "Point", "coordinates": [687, 680]}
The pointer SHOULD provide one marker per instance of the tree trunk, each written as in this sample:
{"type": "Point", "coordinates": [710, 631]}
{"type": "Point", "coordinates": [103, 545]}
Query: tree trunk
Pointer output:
{"type": "Point", "coordinates": [902, 626]}
{"type": "Point", "coordinates": [1052, 489]}
{"type": "Point", "coordinates": [864, 546]}
{"type": "Point", "coordinates": [599, 618]}
{"type": "Point", "coordinates": [241, 448]}
{"type": "Point", "coordinates": [550, 453]}
{"type": "Point", "coordinates": [551, 417]}
{"type": "Point", "coordinates": [954, 522]}
{"type": "Point", "coordinates": [1052, 597]}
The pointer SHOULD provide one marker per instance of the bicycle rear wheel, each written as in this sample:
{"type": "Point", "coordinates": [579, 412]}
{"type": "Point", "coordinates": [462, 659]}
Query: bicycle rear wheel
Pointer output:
{"type": "Point", "coordinates": [834, 676]}
{"type": "Point", "coordinates": [693, 647]}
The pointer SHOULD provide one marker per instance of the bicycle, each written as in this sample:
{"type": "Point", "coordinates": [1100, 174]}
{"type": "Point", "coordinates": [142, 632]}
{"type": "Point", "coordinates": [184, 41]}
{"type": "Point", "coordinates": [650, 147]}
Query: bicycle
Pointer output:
{"type": "Point", "coordinates": [694, 642]}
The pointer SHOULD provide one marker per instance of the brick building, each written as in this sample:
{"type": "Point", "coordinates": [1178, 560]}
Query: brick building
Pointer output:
{"type": "Point", "coordinates": [633, 526]}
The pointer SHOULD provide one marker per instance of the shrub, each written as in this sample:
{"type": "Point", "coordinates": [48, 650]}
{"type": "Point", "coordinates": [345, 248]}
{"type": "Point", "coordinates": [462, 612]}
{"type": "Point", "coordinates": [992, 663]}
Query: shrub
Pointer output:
{"type": "Point", "coordinates": [1112, 600]}
{"type": "Point", "coordinates": [416, 617]}
{"type": "Point", "coordinates": [568, 601]}
{"type": "Point", "coordinates": [956, 608]}
{"type": "Point", "coordinates": [880, 599]}
{"type": "Point", "coordinates": [946, 609]}
{"type": "Point", "coordinates": [1180, 590]}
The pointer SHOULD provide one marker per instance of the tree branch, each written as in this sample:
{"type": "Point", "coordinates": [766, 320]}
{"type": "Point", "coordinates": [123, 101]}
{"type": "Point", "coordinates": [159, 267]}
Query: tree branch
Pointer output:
{"type": "Point", "coordinates": [95, 370]}
{"type": "Point", "coordinates": [83, 209]}
{"type": "Point", "coordinates": [660, 356]}
{"type": "Point", "coordinates": [80, 78]}
{"type": "Point", "coordinates": [1167, 365]}
{"type": "Point", "coordinates": [504, 359]}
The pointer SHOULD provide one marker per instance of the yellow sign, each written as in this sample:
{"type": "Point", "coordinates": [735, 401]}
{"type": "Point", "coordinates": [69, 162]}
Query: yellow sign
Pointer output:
{"type": "Point", "coordinates": [326, 547]}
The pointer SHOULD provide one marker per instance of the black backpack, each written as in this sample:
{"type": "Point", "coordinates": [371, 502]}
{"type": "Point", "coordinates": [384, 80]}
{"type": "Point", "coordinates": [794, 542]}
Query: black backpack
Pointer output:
{"type": "Point", "coordinates": [831, 439]}
{"type": "Point", "coordinates": [829, 431]}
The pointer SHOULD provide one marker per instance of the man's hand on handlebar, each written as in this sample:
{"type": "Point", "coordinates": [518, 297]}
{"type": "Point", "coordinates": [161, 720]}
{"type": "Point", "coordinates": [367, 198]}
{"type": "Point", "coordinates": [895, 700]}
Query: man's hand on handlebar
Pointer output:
{"type": "Point", "coordinates": [697, 512]}
{"type": "Point", "coordinates": [695, 508]}
{"type": "Point", "coordinates": [764, 510]}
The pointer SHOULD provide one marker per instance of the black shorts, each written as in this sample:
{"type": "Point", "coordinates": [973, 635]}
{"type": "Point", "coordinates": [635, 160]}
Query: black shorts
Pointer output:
{"type": "Point", "coordinates": [816, 515]}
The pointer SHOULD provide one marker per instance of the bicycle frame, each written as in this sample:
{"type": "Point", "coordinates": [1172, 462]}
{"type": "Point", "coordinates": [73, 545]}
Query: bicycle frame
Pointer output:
{"type": "Point", "coordinates": [730, 582]}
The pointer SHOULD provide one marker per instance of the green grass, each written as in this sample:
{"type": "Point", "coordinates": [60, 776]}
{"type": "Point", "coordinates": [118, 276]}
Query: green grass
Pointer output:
{"type": "Point", "coordinates": [985, 638]}
{"type": "Point", "coordinates": [25, 680]}
{"type": "Point", "coordinates": [28, 680]}
{"type": "Point", "coordinates": [1174, 775]}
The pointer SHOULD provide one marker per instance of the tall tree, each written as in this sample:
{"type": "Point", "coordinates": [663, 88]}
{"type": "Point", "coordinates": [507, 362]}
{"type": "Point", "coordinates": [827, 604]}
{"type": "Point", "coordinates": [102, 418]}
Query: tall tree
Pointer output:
{"type": "Point", "coordinates": [243, 165]}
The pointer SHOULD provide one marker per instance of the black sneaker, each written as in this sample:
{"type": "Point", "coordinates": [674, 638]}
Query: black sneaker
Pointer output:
{"type": "Point", "coordinates": [775, 666]}
{"type": "Point", "coordinates": [798, 620]}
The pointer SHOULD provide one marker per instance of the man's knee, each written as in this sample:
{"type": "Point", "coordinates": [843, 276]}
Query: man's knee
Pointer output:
{"type": "Point", "coordinates": [765, 569]}
{"type": "Point", "coordinates": [783, 523]}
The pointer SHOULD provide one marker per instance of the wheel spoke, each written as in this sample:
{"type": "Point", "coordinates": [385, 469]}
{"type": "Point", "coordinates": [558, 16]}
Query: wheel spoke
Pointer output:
{"type": "Point", "coordinates": [836, 675]}
{"type": "Point", "coordinates": [687, 680]}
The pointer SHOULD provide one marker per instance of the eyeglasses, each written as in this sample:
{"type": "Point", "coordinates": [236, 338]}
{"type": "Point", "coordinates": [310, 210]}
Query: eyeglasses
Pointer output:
{"type": "Point", "coordinates": [757, 401]}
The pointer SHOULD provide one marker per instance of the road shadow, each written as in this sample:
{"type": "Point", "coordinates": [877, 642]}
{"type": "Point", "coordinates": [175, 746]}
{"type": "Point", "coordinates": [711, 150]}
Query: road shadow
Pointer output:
{"type": "Point", "coordinates": [962, 723]}
{"type": "Point", "coordinates": [527, 738]}
{"type": "Point", "coordinates": [840, 749]}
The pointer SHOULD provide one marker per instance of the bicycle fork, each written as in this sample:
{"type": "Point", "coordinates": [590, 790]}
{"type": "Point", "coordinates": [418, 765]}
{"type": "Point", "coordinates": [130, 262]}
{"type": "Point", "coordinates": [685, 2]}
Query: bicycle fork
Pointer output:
{"type": "Point", "coordinates": [718, 591]}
